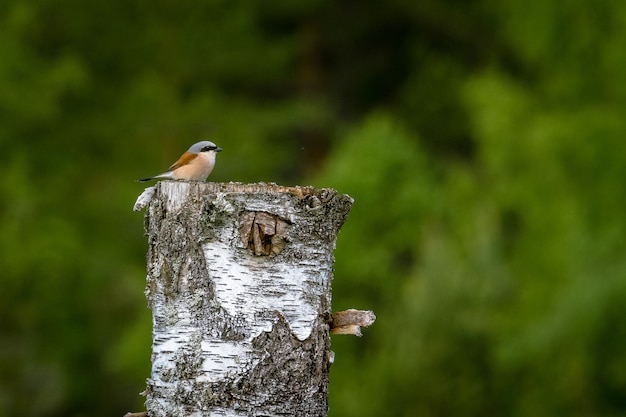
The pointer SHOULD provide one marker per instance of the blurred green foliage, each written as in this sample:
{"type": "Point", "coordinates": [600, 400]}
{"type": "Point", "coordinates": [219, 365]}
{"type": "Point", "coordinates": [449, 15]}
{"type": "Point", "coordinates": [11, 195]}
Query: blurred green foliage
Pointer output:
{"type": "Point", "coordinates": [483, 143]}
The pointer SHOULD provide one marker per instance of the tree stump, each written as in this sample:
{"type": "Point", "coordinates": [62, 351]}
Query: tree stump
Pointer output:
{"type": "Point", "coordinates": [239, 283]}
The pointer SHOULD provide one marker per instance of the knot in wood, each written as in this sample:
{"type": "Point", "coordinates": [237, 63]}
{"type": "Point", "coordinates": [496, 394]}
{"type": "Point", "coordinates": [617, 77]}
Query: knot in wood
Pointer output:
{"type": "Point", "coordinates": [263, 233]}
{"type": "Point", "coordinates": [312, 202]}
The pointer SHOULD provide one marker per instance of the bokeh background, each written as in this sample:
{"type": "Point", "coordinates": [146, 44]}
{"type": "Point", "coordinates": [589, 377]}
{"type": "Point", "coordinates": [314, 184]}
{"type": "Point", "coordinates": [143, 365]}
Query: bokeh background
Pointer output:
{"type": "Point", "coordinates": [484, 143]}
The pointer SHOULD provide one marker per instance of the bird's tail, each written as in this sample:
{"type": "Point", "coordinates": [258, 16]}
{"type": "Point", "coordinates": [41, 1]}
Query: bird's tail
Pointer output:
{"type": "Point", "coordinates": [167, 174]}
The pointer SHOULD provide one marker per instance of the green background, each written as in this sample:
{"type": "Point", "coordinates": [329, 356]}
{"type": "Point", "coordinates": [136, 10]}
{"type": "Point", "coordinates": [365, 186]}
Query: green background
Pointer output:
{"type": "Point", "coordinates": [484, 144]}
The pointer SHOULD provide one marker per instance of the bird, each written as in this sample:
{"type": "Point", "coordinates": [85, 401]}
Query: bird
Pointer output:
{"type": "Point", "coordinates": [194, 165]}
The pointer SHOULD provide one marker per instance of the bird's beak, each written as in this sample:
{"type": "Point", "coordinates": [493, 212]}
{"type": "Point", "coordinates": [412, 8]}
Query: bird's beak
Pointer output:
{"type": "Point", "coordinates": [218, 149]}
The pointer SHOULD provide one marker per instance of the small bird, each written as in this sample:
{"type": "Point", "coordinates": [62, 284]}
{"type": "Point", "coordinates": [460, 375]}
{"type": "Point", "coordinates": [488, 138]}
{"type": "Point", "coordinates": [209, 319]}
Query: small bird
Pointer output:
{"type": "Point", "coordinates": [194, 165]}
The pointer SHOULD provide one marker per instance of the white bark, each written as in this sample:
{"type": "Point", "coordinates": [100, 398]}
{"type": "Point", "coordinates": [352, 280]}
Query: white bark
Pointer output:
{"type": "Point", "coordinates": [239, 285]}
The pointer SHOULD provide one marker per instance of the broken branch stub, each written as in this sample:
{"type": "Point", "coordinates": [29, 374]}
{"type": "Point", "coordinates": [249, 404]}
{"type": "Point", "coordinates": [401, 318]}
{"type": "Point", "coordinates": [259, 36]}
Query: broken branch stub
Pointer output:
{"type": "Point", "coordinates": [239, 284]}
{"type": "Point", "coordinates": [350, 321]}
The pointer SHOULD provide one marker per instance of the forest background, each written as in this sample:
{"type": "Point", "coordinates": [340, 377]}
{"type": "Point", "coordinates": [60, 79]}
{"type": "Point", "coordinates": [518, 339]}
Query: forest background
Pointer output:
{"type": "Point", "coordinates": [484, 144]}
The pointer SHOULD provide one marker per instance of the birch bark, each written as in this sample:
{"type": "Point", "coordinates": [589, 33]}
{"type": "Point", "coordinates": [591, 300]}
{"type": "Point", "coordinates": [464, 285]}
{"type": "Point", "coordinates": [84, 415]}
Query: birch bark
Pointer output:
{"type": "Point", "coordinates": [239, 280]}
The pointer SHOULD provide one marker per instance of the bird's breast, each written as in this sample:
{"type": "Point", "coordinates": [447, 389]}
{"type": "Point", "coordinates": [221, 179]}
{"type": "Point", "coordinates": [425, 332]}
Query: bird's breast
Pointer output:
{"type": "Point", "coordinates": [197, 170]}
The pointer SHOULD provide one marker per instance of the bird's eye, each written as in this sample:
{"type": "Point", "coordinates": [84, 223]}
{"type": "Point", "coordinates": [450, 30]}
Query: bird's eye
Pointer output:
{"type": "Point", "coordinates": [208, 148]}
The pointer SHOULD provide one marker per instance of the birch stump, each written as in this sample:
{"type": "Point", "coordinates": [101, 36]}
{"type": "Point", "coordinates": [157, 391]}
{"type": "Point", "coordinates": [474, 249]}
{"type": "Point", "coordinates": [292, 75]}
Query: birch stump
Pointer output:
{"type": "Point", "coordinates": [239, 279]}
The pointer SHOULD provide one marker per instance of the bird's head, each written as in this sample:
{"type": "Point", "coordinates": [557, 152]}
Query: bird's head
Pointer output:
{"type": "Point", "coordinates": [204, 147]}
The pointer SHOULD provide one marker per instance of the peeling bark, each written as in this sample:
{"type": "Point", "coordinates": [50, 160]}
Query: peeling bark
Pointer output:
{"type": "Point", "coordinates": [239, 285]}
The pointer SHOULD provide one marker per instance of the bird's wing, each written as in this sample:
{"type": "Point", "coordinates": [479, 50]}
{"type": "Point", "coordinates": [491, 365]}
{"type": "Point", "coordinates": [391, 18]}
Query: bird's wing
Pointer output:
{"type": "Point", "coordinates": [184, 159]}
